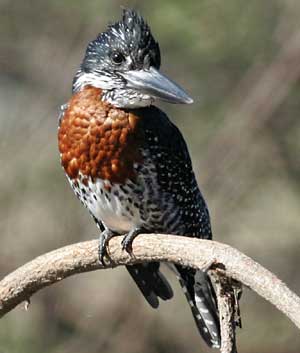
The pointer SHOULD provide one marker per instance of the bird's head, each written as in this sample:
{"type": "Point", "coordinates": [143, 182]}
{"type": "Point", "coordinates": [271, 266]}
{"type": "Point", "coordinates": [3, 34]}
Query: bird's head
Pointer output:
{"type": "Point", "coordinates": [124, 61]}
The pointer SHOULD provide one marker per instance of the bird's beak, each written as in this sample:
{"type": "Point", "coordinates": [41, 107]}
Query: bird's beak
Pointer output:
{"type": "Point", "coordinates": [156, 85]}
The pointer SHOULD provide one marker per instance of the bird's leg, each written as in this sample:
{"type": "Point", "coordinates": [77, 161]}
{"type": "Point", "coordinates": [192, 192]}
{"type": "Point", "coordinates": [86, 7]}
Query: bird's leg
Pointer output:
{"type": "Point", "coordinates": [104, 238]}
{"type": "Point", "coordinates": [128, 239]}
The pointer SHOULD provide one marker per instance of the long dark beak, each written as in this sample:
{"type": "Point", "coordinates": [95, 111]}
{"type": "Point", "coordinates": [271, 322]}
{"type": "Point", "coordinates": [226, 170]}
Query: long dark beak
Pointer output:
{"type": "Point", "coordinates": [156, 85]}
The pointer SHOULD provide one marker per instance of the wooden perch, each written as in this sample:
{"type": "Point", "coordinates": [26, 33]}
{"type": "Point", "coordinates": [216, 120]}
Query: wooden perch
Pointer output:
{"type": "Point", "coordinates": [202, 254]}
{"type": "Point", "coordinates": [228, 292]}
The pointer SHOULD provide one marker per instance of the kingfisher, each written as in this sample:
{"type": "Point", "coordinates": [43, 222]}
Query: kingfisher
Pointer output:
{"type": "Point", "coordinates": [129, 164]}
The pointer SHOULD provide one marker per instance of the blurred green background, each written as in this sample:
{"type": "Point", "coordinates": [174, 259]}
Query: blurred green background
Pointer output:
{"type": "Point", "coordinates": [240, 60]}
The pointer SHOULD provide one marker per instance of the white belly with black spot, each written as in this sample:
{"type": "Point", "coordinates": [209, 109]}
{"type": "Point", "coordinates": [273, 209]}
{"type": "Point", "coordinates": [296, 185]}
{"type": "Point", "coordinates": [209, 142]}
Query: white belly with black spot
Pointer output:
{"type": "Point", "coordinates": [109, 204]}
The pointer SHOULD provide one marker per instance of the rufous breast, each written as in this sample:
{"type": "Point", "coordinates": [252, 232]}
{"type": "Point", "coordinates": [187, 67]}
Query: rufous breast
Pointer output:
{"type": "Point", "coordinates": [97, 139]}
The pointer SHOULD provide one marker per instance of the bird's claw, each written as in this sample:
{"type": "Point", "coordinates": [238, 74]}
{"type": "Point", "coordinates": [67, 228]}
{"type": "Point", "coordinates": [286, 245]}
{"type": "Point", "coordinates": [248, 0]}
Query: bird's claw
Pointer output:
{"type": "Point", "coordinates": [127, 244]}
{"type": "Point", "coordinates": [128, 239]}
{"type": "Point", "coordinates": [104, 238]}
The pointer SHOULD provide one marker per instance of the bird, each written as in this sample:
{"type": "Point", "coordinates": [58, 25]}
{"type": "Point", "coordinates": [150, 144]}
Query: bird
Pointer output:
{"type": "Point", "coordinates": [129, 165]}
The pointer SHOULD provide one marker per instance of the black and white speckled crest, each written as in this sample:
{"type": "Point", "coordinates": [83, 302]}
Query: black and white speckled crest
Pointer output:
{"type": "Point", "coordinates": [131, 37]}
{"type": "Point", "coordinates": [132, 42]}
{"type": "Point", "coordinates": [123, 62]}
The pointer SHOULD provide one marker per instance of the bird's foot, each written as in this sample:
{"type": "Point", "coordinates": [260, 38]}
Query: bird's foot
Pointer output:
{"type": "Point", "coordinates": [128, 239]}
{"type": "Point", "coordinates": [104, 238]}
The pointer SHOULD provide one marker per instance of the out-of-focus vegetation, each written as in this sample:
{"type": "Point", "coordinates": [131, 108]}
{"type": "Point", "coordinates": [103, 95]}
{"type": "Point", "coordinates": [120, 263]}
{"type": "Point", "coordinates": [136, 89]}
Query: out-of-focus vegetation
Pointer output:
{"type": "Point", "coordinates": [240, 60]}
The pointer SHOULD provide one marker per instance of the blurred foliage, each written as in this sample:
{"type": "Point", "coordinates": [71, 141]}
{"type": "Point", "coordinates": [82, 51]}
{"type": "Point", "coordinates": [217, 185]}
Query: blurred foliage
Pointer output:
{"type": "Point", "coordinates": [246, 157]}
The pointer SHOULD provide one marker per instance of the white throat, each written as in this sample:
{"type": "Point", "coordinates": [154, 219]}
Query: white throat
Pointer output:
{"type": "Point", "coordinates": [119, 97]}
{"type": "Point", "coordinates": [127, 98]}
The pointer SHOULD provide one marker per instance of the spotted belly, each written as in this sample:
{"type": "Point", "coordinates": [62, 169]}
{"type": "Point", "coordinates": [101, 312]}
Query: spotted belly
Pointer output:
{"type": "Point", "coordinates": [115, 205]}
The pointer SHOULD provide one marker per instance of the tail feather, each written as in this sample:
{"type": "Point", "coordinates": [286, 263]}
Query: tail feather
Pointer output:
{"type": "Point", "coordinates": [151, 282]}
{"type": "Point", "coordinates": [201, 297]}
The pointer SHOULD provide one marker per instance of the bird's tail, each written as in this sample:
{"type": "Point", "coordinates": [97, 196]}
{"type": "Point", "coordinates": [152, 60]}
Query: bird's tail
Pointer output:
{"type": "Point", "coordinates": [151, 282]}
{"type": "Point", "coordinates": [201, 297]}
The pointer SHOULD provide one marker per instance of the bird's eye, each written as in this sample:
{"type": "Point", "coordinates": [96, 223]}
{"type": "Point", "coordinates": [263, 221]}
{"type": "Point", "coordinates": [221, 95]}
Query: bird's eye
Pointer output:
{"type": "Point", "coordinates": [117, 58]}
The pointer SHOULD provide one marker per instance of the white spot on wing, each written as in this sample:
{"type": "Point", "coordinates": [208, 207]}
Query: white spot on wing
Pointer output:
{"type": "Point", "coordinates": [204, 311]}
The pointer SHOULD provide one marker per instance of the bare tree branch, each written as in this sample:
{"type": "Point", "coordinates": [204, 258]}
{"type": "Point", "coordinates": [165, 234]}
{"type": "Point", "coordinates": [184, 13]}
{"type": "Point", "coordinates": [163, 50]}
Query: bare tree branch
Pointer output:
{"type": "Point", "coordinates": [228, 306]}
{"type": "Point", "coordinates": [202, 254]}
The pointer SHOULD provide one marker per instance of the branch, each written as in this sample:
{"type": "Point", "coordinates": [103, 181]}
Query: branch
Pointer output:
{"type": "Point", "coordinates": [83, 257]}
{"type": "Point", "coordinates": [228, 293]}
